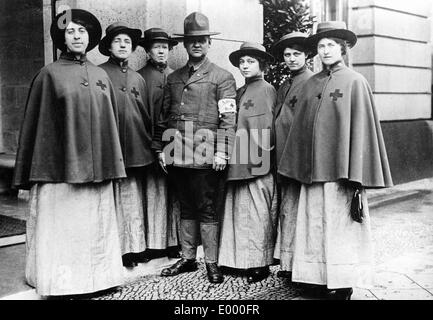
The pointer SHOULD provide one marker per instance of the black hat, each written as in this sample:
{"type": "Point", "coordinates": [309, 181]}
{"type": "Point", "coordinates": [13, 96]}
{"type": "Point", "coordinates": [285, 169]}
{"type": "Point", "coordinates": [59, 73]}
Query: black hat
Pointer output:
{"type": "Point", "coordinates": [61, 21]}
{"type": "Point", "coordinates": [196, 24]}
{"type": "Point", "coordinates": [156, 34]}
{"type": "Point", "coordinates": [112, 31]}
{"type": "Point", "coordinates": [331, 29]}
{"type": "Point", "coordinates": [293, 38]}
{"type": "Point", "coordinates": [250, 49]}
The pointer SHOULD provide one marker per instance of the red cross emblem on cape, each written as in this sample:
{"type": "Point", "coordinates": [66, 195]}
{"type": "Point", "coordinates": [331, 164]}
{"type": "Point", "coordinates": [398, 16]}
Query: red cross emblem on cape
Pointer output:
{"type": "Point", "coordinates": [101, 84]}
{"type": "Point", "coordinates": [336, 94]}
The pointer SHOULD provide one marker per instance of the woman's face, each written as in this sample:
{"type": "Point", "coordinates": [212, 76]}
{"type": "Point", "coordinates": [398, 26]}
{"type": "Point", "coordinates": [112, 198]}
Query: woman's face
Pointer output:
{"type": "Point", "coordinates": [294, 59]}
{"type": "Point", "coordinates": [121, 46]}
{"type": "Point", "coordinates": [249, 66]}
{"type": "Point", "coordinates": [158, 52]}
{"type": "Point", "coordinates": [329, 51]}
{"type": "Point", "coordinates": [76, 38]}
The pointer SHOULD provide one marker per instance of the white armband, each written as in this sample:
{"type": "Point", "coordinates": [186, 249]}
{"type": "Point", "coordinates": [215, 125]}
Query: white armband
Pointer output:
{"type": "Point", "coordinates": [226, 105]}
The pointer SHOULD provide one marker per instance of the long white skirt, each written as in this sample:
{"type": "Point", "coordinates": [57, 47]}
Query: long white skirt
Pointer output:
{"type": "Point", "coordinates": [249, 225]}
{"type": "Point", "coordinates": [320, 243]}
{"type": "Point", "coordinates": [163, 211]}
{"type": "Point", "coordinates": [72, 239]}
{"type": "Point", "coordinates": [130, 212]}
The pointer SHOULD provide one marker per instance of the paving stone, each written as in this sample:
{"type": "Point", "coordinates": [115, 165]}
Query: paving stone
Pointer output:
{"type": "Point", "coordinates": [393, 280]}
{"type": "Point", "coordinates": [424, 280]}
{"type": "Point", "coordinates": [362, 294]}
{"type": "Point", "coordinates": [402, 294]}
{"type": "Point", "coordinates": [408, 263]}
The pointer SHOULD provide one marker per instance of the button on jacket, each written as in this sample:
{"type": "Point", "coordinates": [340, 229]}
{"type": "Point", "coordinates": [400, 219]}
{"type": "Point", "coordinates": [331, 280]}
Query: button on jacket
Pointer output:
{"type": "Point", "coordinates": [191, 104]}
{"type": "Point", "coordinates": [135, 125]}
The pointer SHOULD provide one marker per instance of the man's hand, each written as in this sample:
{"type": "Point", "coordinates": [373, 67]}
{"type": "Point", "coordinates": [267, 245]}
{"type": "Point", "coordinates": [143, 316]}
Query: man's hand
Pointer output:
{"type": "Point", "coordinates": [219, 162]}
{"type": "Point", "coordinates": [161, 161]}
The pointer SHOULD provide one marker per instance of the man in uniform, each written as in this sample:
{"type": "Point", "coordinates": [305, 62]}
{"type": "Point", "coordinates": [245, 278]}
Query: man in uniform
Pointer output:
{"type": "Point", "coordinates": [199, 115]}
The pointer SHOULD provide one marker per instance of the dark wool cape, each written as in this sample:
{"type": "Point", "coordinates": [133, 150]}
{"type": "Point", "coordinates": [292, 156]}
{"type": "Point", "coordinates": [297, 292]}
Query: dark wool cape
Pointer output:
{"type": "Point", "coordinates": [155, 80]}
{"type": "Point", "coordinates": [336, 133]}
{"type": "Point", "coordinates": [69, 132]}
{"type": "Point", "coordinates": [135, 124]}
{"type": "Point", "coordinates": [255, 102]}
{"type": "Point", "coordinates": [287, 102]}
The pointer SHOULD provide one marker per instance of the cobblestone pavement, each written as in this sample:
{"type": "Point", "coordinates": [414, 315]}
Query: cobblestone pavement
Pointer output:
{"type": "Point", "coordinates": [195, 286]}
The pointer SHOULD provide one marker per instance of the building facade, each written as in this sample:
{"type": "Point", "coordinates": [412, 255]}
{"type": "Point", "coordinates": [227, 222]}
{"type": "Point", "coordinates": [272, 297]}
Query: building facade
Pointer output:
{"type": "Point", "coordinates": [394, 53]}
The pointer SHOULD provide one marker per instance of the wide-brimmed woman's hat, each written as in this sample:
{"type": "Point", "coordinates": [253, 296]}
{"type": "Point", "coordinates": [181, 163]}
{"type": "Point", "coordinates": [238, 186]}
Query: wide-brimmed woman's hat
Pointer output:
{"type": "Point", "coordinates": [331, 29]}
{"type": "Point", "coordinates": [293, 38]}
{"type": "Point", "coordinates": [195, 24]}
{"type": "Point", "coordinates": [115, 29]}
{"type": "Point", "coordinates": [250, 49]}
{"type": "Point", "coordinates": [156, 34]}
{"type": "Point", "coordinates": [61, 21]}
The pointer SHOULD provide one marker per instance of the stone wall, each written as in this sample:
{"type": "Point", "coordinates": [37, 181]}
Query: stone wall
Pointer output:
{"type": "Point", "coordinates": [237, 20]}
{"type": "Point", "coordinates": [394, 54]}
{"type": "Point", "coordinates": [21, 56]}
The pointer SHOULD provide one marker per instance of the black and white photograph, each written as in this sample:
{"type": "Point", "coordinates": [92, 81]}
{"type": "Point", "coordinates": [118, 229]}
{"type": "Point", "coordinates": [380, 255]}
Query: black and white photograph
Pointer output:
{"type": "Point", "coordinates": [217, 155]}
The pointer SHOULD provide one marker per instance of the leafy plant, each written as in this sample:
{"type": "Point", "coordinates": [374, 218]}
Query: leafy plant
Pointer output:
{"type": "Point", "coordinates": [282, 17]}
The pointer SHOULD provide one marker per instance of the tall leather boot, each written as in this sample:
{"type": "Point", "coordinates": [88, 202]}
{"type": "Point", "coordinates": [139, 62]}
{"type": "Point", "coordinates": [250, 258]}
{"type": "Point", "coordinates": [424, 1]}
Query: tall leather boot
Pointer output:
{"type": "Point", "coordinates": [188, 241]}
{"type": "Point", "coordinates": [209, 235]}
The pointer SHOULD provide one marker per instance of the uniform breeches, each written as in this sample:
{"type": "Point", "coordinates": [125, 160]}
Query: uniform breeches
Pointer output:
{"type": "Point", "coordinates": [200, 193]}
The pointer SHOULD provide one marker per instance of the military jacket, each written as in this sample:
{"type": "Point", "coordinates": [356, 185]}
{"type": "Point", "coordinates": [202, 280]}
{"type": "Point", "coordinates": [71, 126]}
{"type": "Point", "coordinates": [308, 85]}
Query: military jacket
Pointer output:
{"type": "Point", "coordinates": [198, 117]}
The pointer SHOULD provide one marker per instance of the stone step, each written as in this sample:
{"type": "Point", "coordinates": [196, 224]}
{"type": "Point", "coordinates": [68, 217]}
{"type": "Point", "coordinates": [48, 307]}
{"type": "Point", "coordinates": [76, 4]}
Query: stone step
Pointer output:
{"type": "Point", "coordinates": [7, 161]}
{"type": "Point", "coordinates": [392, 197]}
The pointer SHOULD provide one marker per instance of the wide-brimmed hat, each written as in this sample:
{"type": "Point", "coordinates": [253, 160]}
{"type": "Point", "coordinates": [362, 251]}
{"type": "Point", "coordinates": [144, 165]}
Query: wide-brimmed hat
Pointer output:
{"type": "Point", "coordinates": [331, 29]}
{"type": "Point", "coordinates": [195, 24]}
{"type": "Point", "coordinates": [156, 34]}
{"type": "Point", "coordinates": [115, 29]}
{"type": "Point", "coordinates": [250, 49]}
{"type": "Point", "coordinates": [61, 21]}
{"type": "Point", "coordinates": [293, 38]}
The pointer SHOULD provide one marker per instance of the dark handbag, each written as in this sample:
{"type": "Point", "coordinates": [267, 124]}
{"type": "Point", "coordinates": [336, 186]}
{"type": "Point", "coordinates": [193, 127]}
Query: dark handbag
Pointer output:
{"type": "Point", "coordinates": [356, 207]}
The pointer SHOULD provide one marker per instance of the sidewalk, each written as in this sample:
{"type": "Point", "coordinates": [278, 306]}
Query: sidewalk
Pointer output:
{"type": "Point", "coordinates": [402, 226]}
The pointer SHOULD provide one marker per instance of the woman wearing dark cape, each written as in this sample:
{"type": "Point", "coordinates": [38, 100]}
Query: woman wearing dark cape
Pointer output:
{"type": "Point", "coordinates": [135, 133]}
{"type": "Point", "coordinates": [68, 154]}
{"type": "Point", "coordinates": [335, 150]}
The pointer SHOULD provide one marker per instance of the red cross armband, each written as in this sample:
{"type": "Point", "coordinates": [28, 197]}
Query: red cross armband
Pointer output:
{"type": "Point", "coordinates": [226, 106]}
